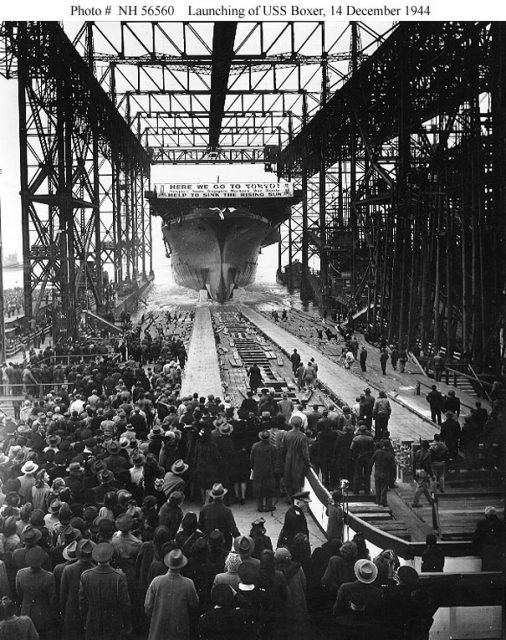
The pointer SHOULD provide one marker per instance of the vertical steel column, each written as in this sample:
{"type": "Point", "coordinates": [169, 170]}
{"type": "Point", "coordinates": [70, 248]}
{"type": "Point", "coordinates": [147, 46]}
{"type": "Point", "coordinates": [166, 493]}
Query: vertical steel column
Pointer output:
{"type": "Point", "coordinates": [304, 283]}
{"type": "Point", "coordinates": [352, 209]}
{"type": "Point", "coordinates": [322, 192]}
{"type": "Point", "coordinates": [23, 168]}
{"type": "Point", "coordinates": [497, 270]}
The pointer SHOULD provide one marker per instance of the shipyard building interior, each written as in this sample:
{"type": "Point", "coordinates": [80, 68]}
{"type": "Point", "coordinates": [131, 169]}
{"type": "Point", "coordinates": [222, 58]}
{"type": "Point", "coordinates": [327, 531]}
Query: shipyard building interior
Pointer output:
{"type": "Point", "coordinates": [382, 148]}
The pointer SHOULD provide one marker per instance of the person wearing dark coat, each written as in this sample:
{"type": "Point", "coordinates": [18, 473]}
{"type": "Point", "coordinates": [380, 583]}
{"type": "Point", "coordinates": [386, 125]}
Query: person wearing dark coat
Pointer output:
{"type": "Point", "coordinates": [433, 559]}
{"type": "Point", "coordinates": [452, 403]}
{"type": "Point", "coordinates": [489, 541]}
{"type": "Point", "coordinates": [255, 377]}
{"type": "Point", "coordinates": [36, 592]}
{"type": "Point", "coordinates": [325, 442]}
{"type": "Point", "coordinates": [263, 464]}
{"type": "Point", "coordinates": [362, 447]}
{"type": "Point", "coordinates": [207, 461]}
{"type": "Point", "coordinates": [383, 461]}
{"type": "Point", "coordinates": [216, 515]}
{"type": "Point", "coordinates": [226, 621]}
{"type": "Point", "coordinates": [295, 449]}
{"type": "Point", "coordinates": [73, 628]}
{"type": "Point", "coordinates": [295, 520]}
{"type": "Point", "coordinates": [104, 602]}
{"type": "Point", "coordinates": [343, 461]}
{"type": "Point", "coordinates": [436, 400]}
{"type": "Point", "coordinates": [171, 515]}
{"type": "Point", "coordinates": [450, 434]}
{"type": "Point", "coordinates": [273, 583]}
{"type": "Point", "coordinates": [226, 451]}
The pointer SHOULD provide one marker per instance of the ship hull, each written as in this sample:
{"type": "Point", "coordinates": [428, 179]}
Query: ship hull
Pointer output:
{"type": "Point", "coordinates": [217, 252]}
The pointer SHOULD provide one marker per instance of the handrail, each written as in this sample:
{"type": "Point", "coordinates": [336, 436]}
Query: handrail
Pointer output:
{"type": "Point", "coordinates": [383, 539]}
{"type": "Point", "coordinates": [462, 404]}
{"type": "Point", "coordinates": [415, 360]}
{"type": "Point", "coordinates": [482, 383]}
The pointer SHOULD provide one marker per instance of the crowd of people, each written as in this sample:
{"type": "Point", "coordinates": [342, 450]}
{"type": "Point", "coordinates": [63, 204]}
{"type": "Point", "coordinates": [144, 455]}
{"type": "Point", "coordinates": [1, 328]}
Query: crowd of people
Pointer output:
{"type": "Point", "coordinates": [95, 469]}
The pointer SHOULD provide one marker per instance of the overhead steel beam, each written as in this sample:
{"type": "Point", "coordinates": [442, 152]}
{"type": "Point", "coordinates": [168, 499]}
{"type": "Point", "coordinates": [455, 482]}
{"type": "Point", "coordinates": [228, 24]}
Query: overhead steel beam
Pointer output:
{"type": "Point", "coordinates": [223, 52]}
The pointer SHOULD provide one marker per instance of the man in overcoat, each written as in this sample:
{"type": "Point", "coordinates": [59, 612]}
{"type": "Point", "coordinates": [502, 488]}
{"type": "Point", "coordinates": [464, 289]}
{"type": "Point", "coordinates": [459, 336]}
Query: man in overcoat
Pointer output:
{"type": "Point", "coordinates": [104, 602]}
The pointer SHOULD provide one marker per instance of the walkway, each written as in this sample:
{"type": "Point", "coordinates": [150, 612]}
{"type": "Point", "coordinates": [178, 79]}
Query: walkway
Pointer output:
{"type": "Point", "coordinates": [202, 371]}
{"type": "Point", "coordinates": [403, 425]}
{"type": "Point", "coordinates": [399, 386]}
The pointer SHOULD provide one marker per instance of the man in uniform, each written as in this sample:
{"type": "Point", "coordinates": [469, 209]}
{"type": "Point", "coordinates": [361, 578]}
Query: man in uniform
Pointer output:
{"type": "Point", "coordinates": [295, 520]}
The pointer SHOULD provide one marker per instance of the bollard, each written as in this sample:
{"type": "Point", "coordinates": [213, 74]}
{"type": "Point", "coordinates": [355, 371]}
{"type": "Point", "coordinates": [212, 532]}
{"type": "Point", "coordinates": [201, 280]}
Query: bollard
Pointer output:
{"type": "Point", "coordinates": [417, 388]}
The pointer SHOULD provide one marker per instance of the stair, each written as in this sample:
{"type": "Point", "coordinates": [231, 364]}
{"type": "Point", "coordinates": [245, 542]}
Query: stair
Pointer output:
{"type": "Point", "coordinates": [379, 517]}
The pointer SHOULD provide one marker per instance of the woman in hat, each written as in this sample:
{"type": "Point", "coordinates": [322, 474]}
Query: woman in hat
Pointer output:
{"type": "Point", "coordinates": [37, 593]}
{"type": "Point", "coordinates": [189, 534]}
{"type": "Point", "coordinates": [230, 575]}
{"type": "Point", "coordinates": [170, 600]}
{"type": "Point", "coordinates": [259, 535]}
{"type": "Point", "coordinates": [10, 539]}
{"type": "Point", "coordinates": [41, 491]}
{"type": "Point", "coordinates": [340, 569]}
{"type": "Point", "coordinates": [263, 466]}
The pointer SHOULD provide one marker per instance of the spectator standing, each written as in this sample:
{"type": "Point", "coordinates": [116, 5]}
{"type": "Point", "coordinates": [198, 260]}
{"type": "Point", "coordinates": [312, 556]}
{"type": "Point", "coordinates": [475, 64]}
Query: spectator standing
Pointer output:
{"type": "Point", "coordinates": [296, 457]}
{"type": "Point", "coordinates": [381, 414]}
{"type": "Point", "coordinates": [383, 461]}
{"type": "Point", "coordinates": [435, 399]}
{"type": "Point", "coordinates": [104, 602]}
{"type": "Point", "coordinates": [170, 600]}
{"type": "Point", "coordinates": [263, 466]}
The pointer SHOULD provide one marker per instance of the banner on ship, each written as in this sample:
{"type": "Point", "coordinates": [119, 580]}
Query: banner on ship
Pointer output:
{"type": "Point", "coordinates": [220, 190]}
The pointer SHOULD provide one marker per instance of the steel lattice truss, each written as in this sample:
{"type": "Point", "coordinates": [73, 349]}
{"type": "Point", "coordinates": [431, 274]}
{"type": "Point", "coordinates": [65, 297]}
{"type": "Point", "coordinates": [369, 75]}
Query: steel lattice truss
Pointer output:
{"type": "Point", "coordinates": [397, 140]}
{"type": "Point", "coordinates": [416, 136]}
{"type": "Point", "coordinates": [82, 171]}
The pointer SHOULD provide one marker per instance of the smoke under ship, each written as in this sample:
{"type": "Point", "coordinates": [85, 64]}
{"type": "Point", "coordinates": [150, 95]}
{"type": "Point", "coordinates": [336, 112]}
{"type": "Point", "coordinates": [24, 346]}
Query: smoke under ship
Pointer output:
{"type": "Point", "coordinates": [214, 232]}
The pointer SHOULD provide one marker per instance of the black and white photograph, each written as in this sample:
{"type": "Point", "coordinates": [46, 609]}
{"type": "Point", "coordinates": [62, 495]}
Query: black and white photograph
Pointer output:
{"type": "Point", "coordinates": [252, 321]}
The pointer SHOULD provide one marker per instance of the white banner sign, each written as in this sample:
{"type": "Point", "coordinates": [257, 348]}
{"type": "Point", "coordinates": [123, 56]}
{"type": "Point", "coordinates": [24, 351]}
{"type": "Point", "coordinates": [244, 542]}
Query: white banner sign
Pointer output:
{"type": "Point", "coordinates": [221, 190]}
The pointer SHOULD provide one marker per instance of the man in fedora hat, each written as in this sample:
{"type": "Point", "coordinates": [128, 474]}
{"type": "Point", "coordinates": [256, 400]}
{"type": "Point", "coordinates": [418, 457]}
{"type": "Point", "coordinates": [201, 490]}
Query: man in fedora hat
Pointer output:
{"type": "Point", "coordinates": [173, 479]}
{"type": "Point", "coordinates": [170, 599]}
{"type": "Point", "coordinates": [104, 603]}
{"type": "Point", "coordinates": [360, 594]}
{"type": "Point", "coordinates": [35, 588]}
{"type": "Point", "coordinates": [263, 457]}
{"type": "Point", "coordinates": [30, 536]}
{"type": "Point", "coordinates": [27, 480]}
{"type": "Point", "coordinates": [216, 515]}
{"type": "Point", "coordinates": [74, 481]}
{"type": "Point", "coordinates": [115, 461]}
{"type": "Point", "coordinates": [244, 546]}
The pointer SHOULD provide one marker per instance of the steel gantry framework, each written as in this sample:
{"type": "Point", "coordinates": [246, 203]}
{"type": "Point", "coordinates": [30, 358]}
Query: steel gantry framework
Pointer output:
{"type": "Point", "coordinates": [396, 139]}
{"type": "Point", "coordinates": [225, 93]}
{"type": "Point", "coordinates": [82, 172]}
{"type": "Point", "coordinates": [417, 136]}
